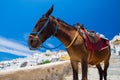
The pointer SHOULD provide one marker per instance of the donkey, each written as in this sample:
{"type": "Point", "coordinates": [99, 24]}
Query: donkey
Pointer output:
{"type": "Point", "coordinates": [74, 42]}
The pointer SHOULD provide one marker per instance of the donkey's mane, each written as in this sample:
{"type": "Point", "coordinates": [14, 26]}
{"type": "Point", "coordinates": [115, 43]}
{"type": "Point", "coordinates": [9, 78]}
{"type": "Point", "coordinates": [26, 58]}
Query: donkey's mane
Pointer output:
{"type": "Point", "coordinates": [63, 22]}
{"type": "Point", "coordinates": [59, 20]}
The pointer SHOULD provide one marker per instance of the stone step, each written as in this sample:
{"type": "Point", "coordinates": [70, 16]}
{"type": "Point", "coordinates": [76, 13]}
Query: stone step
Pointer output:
{"type": "Point", "coordinates": [113, 70]}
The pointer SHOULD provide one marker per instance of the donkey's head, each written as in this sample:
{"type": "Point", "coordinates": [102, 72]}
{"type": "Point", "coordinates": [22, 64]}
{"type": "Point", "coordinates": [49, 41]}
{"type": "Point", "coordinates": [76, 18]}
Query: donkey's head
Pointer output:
{"type": "Point", "coordinates": [43, 29]}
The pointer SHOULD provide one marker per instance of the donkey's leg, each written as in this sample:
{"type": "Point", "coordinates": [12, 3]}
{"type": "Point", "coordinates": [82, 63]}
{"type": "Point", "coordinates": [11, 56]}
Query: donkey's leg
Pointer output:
{"type": "Point", "coordinates": [105, 70]}
{"type": "Point", "coordinates": [100, 71]}
{"type": "Point", "coordinates": [84, 65]}
{"type": "Point", "coordinates": [106, 65]}
{"type": "Point", "coordinates": [75, 69]}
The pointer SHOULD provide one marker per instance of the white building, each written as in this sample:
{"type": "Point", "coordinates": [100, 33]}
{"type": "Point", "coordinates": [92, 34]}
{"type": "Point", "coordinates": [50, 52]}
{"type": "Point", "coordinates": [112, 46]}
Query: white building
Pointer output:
{"type": "Point", "coordinates": [115, 44]}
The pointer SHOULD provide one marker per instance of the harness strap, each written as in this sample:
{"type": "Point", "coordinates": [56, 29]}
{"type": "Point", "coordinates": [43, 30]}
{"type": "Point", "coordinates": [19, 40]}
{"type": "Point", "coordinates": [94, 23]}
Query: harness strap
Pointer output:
{"type": "Point", "coordinates": [76, 35]}
{"type": "Point", "coordinates": [92, 46]}
{"type": "Point", "coordinates": [91, 54]}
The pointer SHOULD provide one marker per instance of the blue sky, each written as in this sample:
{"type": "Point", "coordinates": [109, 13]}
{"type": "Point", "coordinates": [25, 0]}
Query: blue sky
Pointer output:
{"type": "Point", "coordinates": [18, 17]}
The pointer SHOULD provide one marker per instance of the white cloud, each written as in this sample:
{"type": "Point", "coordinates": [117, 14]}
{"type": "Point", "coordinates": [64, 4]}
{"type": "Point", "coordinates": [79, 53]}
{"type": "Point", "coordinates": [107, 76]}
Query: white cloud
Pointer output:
{"type": "Point", "coordinates": [49, 45]}
{"type": "Point", "coordinates": [25, 36]}
{"type": "Point", "coordinates": [14, 47]}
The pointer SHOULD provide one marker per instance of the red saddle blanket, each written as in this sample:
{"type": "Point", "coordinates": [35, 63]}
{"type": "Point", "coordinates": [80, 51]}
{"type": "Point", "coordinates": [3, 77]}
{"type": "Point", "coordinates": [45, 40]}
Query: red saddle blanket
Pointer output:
{"type": "Point", "coordinates": [100, 45]}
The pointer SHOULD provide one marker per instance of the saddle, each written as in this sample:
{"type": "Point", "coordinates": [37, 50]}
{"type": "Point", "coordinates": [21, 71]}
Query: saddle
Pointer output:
{"type": "Point", "coordinates": [92, 40]}
{"type": "Point", "coordinates": [92, 36]}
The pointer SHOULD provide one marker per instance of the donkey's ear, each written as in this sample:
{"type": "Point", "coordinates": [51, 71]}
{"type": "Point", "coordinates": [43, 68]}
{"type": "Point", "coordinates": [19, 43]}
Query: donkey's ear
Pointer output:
{"type": "Point", "coordinates": [49, 11]}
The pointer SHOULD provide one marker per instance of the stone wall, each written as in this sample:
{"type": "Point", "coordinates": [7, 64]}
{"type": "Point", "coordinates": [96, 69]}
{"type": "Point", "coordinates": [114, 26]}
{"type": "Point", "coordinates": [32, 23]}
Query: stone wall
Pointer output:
{"type": "Point", "coordinates": [51, 71]}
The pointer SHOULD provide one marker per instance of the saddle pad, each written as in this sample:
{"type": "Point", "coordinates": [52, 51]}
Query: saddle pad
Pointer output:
{"type": "Point", "coordinates": [100, 45]}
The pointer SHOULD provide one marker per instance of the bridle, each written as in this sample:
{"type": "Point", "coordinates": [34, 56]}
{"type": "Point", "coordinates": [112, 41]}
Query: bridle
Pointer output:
{"type": "Point", "coordinates": [42, 29]}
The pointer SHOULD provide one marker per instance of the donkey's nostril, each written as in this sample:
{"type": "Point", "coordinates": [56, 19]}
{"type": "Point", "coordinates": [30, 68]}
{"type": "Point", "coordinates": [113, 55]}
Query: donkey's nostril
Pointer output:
{"type": "Point", "coordinates": [33, 41]}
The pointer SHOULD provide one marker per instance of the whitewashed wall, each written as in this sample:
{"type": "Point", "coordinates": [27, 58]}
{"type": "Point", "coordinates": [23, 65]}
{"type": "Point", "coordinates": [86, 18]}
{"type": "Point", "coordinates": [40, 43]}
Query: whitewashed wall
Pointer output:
{"type": "Point", "coordinates": [51, 71]}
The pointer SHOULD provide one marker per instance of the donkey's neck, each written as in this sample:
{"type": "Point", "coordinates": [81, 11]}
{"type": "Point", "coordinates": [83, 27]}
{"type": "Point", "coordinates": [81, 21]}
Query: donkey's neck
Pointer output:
{"type": "Point", "coordinates": [65, 33]}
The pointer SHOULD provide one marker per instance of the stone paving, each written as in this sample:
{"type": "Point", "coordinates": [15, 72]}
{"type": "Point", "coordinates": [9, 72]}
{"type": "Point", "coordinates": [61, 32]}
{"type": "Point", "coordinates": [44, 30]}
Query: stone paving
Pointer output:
{"type": "Point", "coordinates": [113, 70]}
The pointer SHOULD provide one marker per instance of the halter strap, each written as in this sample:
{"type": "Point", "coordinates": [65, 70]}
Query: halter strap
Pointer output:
{"type": "Point", "coordinates": [56, 29]}
{"type": "Point", "coordinates": [44, 26]}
